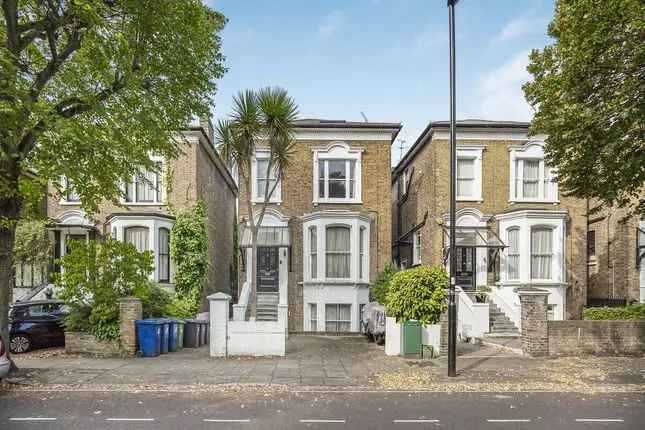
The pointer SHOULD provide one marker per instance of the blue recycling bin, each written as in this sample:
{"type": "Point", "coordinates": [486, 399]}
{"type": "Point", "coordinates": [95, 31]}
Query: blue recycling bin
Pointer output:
{"type": "Point", "coordinates": [173, 342]}
{"type": "Point", "coordinates": [165, 335]}
{"type": "Point", "coordinates": [149, 334]}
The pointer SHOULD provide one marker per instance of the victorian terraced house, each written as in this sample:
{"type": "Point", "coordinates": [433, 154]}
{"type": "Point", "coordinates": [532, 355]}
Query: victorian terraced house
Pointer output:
{"type": "Point", "coordinates": [514, 227]}
{"type": "Point", "coordinates": [326, 231]}
{"type": "Point", "coordinates": [144, 216]}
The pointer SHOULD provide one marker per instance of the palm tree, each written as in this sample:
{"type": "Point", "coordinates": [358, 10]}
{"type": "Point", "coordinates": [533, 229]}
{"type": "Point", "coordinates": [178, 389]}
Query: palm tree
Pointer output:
{"type": "Point", "coordinates": [262, 119]}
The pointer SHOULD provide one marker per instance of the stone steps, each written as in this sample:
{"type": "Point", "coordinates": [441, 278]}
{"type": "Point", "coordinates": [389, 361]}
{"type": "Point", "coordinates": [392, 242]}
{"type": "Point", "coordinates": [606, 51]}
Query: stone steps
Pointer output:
{"type": "Point", "coordinates": [499, 323]}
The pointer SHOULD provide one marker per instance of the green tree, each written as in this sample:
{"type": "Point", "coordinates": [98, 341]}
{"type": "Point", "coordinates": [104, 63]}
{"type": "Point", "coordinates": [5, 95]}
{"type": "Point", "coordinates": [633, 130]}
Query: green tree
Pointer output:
{"type": "Point", "coordinates": [381, 286]}
{"type": "Point", "coordinates": [260, 120]}
{"type": "Point", "coordinates": [589, 94]}
{"type": "Point", "coordinates": [89, 89]}
{"type": "Point", "coordinates": [189, 251]}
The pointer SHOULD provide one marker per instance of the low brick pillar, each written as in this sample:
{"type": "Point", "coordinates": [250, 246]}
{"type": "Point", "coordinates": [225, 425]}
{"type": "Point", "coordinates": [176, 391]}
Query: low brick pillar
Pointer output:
{"type": "Point", "coordinates": [130, 310]}
{"type": "Point", "coordinates": [535, 336]}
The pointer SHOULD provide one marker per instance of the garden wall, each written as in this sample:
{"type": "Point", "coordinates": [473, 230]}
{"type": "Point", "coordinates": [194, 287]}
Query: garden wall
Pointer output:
{"type": "Point", "coordinates": [85, 343]}
{"type": "Point", "coordinates": [576, 337]}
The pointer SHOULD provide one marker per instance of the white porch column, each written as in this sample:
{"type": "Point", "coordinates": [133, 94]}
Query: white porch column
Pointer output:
{"type": "Point", "coordinates": [218, 306]}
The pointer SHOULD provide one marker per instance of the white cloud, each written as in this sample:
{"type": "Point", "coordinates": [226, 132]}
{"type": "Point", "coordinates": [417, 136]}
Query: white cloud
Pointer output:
{"type": "Point", "coordinates": [500, 91]}
{"type": "Point", "coordinates": [431, 37]}
{"type": "Point", "coordinates": [520, 27]}
{"type": "Point", "coordinates": [331, 23]}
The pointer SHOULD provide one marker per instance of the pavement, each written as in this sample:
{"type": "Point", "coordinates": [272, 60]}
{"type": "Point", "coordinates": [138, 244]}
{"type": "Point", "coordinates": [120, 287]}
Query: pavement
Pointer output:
{"type": "Point", "coordinates": [322, 409]}
{"type": "Point", "coordinates": [328, 362]}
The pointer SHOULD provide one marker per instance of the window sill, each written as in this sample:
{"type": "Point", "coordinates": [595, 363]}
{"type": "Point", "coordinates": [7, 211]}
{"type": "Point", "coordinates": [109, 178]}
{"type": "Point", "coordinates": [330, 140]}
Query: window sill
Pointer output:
{"type": "Point", "coordinates": [260, 201]}
{"type": "Point", "coordinates": [338, 201]}
{"type": "Point", "coordinates": [477, 199]}
{"type": "Point", "coordinates": [66, 203]}
{"type": "Point", "coordinates": [343, 282]}
{"type": "Point", "coordinates": [555, 202]}
{"type": "Point", "coordinates": [142, 204]}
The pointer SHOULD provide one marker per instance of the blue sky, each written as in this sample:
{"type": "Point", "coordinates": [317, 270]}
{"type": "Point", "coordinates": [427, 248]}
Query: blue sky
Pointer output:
{"type": "Point", "coordinates": [388, 59]}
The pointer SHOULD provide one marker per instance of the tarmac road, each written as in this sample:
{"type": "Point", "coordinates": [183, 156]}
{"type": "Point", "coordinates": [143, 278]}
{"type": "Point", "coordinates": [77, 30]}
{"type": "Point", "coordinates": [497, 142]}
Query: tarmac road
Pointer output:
{"type": "Point", "coordinates": [320, 410]}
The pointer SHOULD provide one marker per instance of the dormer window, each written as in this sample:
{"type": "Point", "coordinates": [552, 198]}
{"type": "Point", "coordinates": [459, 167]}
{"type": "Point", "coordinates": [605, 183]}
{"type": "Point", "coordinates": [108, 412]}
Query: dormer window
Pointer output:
{"type": "Point", "coordinates": [337, 174]}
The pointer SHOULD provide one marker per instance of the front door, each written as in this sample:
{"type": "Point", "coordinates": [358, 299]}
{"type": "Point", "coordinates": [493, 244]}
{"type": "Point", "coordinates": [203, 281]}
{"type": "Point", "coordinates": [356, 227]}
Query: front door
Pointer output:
{"type": "Point", "coordinates": [268, 269]}
{"type": "Point", "coordinates": [465, 276]}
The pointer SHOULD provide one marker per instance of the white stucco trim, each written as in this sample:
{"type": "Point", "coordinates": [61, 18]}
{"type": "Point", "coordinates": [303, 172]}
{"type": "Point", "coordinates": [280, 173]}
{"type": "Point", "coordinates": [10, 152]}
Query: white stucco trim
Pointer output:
{"type": "Point", "coordinates": [337, 150]}
{"type": "Point", "coordinates": [118, 223]}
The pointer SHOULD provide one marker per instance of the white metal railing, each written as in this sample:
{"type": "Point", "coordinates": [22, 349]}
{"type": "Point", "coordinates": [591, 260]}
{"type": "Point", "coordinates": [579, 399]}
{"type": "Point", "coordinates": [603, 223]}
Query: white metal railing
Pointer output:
{"type": "Point", "coordinates": [239, 309]}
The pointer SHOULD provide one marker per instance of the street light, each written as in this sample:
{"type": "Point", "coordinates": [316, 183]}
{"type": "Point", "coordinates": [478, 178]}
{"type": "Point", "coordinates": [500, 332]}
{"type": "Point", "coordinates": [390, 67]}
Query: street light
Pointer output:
{"type": "Point", "coordinates": [452, 306]}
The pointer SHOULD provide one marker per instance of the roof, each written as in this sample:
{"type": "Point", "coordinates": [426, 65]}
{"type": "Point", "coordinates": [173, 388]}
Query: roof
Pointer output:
{"type": "Point", "coordinates": [341, 123]}
{"type": "Point", "coordinates": [469, 124]}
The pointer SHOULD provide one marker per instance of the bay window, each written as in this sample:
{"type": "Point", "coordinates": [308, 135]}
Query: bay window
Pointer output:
{"type": "Point", "coordinates": [541, 252]}
{"type": "Point", "coordinates": [338, 318]}
{"type": "Point", "coordinates": [513, 254]}
{"type": "Point", "coordinates": [337, 252]}
{"type": "Point", "coordinates": [164, 255]}
{"type": "Point", "coordinates": [313, 252]}
{"type": "Point", "coordinates": [361, 252]}
{"type": "Point", "coordinates": [137, 236]}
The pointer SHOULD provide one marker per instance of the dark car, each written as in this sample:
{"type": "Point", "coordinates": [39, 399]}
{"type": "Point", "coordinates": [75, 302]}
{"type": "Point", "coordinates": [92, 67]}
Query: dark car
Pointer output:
{"type": "Point", "coordinates": [36, 324]}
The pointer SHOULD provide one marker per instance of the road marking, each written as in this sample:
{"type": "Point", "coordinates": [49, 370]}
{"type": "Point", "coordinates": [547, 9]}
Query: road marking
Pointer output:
{"type": "Point", "coordinates": [32, 419]}
{"type": "Point", "coordinates": [521, 420]}
{"type": "Point", "coordinates": [130, 419]}
{"type": "Point", "coordinates": [599, 420]}
{"type": "Point", "coordinates": [215, 420]}
{"type": "Point", "coordinates": [414, 421]}
{"type": "Point", "coordinates": [323, 421]}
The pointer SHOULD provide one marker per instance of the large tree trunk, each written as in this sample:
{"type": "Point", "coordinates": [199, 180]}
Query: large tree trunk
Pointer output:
{"type": "Point", "coordinates": [9, 213]}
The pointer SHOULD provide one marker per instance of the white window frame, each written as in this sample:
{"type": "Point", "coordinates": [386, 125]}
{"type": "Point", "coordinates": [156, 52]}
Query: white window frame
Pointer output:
{"type": "Point", "coordinates": [474, 153]}
{"type": "Point", "coordinates": [276, 197]}
{"type": "Point", "coordinates": [550, 229]}
{"type": "Point", "coordinates": [517, 253]}
{"type": "Point", "coordinates": [313, 251]}
{"type": "Point", "coordinates": [416, 247]}
{"type": "Point", "coordinates": [321, 220]}
{"type": "Point", "coordinates": [337, 151]}
{"type": "Point", "coordinates": [547, 186]}
{"type": "Point", "coordinates": [64, 198]}
{"type": "Point", "coordinates": [159, 195]}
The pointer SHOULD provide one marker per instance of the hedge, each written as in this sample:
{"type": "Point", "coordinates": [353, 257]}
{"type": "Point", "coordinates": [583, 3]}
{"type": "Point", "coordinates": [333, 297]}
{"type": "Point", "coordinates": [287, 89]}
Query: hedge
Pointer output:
{"type": "Point", "coordinates": [631, 312]}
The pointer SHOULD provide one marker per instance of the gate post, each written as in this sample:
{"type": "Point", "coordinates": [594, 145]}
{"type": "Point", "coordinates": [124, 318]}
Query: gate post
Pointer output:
{"type": "Point", "coordinates": [218, 309]}
{"type": "Point", "coordinates": [535, 336]}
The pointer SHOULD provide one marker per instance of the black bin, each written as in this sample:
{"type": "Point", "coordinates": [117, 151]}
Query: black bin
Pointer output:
{"type": "Point", "coordinates": [192, 334]}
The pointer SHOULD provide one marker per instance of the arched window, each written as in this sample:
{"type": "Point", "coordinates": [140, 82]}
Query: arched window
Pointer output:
{"type": "Point", "coordinates": [541, 252]}
{"type": "Point", "coordinates": [337, 252]}
{"type": "Point", "coordinates": [164, 255]}
{"type": "Point", "coordinates": [513, 254]}
{"type": "Point", "coordinates": [137, 236]}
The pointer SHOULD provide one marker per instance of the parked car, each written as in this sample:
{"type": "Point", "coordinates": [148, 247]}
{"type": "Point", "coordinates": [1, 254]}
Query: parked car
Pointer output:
{"type": "Point", "coordinates": [5, 365]}
{"type": "Point", "coordinates": [36, 324]}
{"type": "Point", "coordinates": [373, 322]}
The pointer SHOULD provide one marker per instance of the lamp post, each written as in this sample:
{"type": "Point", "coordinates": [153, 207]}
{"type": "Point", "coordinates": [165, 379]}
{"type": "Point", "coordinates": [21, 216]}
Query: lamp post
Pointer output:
{"type": "Point", "coordinates": [452, 306]}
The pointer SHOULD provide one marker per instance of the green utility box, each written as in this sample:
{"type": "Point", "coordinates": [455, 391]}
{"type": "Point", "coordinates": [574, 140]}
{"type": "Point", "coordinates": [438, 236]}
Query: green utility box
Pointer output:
{"type": "Point", "coordinates": [411, 343]}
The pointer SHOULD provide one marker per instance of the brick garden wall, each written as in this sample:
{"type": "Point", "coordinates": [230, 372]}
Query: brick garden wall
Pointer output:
{"type": "Point", "coordinates": [84, 343]}
{"type": "Point", "coordinates": [596, 337]}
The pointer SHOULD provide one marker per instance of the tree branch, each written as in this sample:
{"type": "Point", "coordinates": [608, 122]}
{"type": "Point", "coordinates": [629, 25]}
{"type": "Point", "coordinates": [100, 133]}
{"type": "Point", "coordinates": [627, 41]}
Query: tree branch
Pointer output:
{"type": "Point", "coordinates": [10, 9]}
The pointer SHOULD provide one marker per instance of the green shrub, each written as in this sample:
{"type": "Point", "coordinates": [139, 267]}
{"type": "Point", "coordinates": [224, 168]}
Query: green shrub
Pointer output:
{"type": "Point", "coordinates": [418, 294]}
{"type": "Point", "coordinates": [189, 251]}
{"type": "Point", "coordinates": [94, 277]}
{"type": "Point", "coordinates": [378, 290]}
{"type": "Point", "coordinates": [155, 303]}
{"type": "Point", "coordinates": [631, 312]}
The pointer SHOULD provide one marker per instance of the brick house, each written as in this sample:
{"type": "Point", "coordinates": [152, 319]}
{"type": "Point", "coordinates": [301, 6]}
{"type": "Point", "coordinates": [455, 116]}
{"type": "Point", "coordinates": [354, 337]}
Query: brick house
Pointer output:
{"type": "Point", "coordinates": [616, 257]}
{"type": "Point", "coordinates": [145, 215]}
{"type": "Point", "coordinates": [513, 226]}
{"type": "Point", "coordinates": [326, 232]}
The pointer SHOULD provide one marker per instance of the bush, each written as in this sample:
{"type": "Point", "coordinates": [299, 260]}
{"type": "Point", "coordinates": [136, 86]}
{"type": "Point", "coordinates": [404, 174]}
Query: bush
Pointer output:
{"type": "Point", "coordinates": [155, 303]}
{"type": "Point", "coordinates": [378, 290]}
{"type": "Point", "coordinates": [418, 294]}
{"type": "Point", "coordinates": [631, 312]}
{"type": "Point", "coordinates": [94, 277]}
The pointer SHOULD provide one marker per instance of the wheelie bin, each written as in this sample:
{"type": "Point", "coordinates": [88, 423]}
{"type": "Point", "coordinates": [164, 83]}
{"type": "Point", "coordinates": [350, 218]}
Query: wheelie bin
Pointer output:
{"type": "Point", "coordinates": [149, 335]}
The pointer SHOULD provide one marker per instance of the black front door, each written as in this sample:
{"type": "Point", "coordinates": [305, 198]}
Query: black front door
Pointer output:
{"type": "Point", "coordinates": [466, 268]}
{"type": "Point", "coordinates": [268, 269]}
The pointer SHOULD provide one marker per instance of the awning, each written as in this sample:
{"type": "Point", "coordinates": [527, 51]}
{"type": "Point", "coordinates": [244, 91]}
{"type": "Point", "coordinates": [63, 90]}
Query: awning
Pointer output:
{"type": "Point", "coordinates": [267, 236]}
{"type": "Point", "coordinates": [473, 237]}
